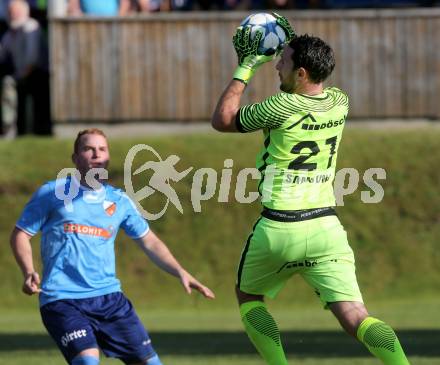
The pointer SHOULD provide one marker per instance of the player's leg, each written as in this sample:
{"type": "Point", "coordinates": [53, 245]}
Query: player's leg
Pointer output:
{"type": "Point", "coordinates": [377, 336]}
{"type": "Point", "coordinates": [72, 332]}
{"type": "Point", "coordinates": [333, 277]}
{"type": "Point", "coordinates": [261, 327]}
{"type": "Point", "coordinates": [87, 357]}
{"type": "Point", "coordinates": [121, 334]}
{"type": "Point", "coordinates": [349, 314]}
{"type": "Point", "coordinates": [263, 271]}
{"type": "Point", "coordinates": [154, 360]}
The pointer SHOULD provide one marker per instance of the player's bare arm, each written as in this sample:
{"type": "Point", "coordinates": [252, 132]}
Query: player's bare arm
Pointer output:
{"type": "Point", "coordinates": [74, 8]}
{"type": "Point", "coordinates": [159, 253]}
{"type": "Point", "coordinates": [124, 7]}
{"type": "Point", "coordinates": [227, 108]}
{"type": "Point", "coordinates": [249, 60]}
{"type": "Point", "coordinates": [21, 246]}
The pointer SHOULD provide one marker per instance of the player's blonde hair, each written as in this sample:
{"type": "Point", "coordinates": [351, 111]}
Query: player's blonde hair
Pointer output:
{"type": "Point", "coordinates": [83, 133]}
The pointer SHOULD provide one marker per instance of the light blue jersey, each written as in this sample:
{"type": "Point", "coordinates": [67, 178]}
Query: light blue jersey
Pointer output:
{"type": "Point", "coordinates": [77, 239]}
{"type": "Point", "coordinates": [100, 7]}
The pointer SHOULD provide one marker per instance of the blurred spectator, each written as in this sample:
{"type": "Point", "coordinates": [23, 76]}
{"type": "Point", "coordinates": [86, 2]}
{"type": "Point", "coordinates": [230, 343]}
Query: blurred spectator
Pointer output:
{"type": "Point", "coordinates": [123, 7]}
{"type": "Point", "coordinates": [181, 4]}
{"type": "Point", "coordinates": [284, 4]}
{"type": "Point", "coordinates": [3, 28]}
{"type": "Point", "coordinates": [153, 5]}
{"type": "Point", "coordinates": [204, 4]}
{"type": "Point", "coordinates": [4, 16]}
{"type": "Point", "coordinates": [310, 4]}
{"type": "Point", "coordinates": [39, 11]}
{"type": "Point", "coordinates": [256, 4]}
{"type": "Point", "coordinates": [218, 4]}
{"type": "Point", "coordinates": [349, 4]}
{"type": "Point", "coordinates": [23, 52]}
{"type": "Point", "coordinates": [279, 4]}
{"type": "Point", "coordinates": [99, 7]}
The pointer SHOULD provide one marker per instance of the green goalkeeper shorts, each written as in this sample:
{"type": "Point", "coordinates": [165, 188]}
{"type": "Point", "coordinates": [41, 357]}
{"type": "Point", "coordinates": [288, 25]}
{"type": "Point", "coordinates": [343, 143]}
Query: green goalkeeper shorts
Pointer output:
{"type": "Point", "coordinates": [317, 249]}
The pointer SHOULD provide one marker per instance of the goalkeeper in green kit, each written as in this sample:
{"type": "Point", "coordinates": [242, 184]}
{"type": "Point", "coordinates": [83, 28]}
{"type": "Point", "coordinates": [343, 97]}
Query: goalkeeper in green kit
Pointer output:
{"type": "Point", "coordinates": [298, 231]}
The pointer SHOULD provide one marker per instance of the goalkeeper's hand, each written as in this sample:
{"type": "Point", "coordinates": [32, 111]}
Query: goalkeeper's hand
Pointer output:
{"type": "Point", "coordinates": [288, 30]}
{"type": "Point", "coordinates": [247, 51]}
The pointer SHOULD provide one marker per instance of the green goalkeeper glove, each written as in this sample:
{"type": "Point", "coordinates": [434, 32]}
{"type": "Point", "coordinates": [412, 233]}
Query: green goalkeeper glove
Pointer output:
{"type": "Point", "coordinates": [288, 30]}
{"type": "Point", "coordinates": [248, 58]}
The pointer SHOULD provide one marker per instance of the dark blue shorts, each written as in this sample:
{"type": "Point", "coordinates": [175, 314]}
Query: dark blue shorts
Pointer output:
{"type": "Point", "coordinates": [108, 322]}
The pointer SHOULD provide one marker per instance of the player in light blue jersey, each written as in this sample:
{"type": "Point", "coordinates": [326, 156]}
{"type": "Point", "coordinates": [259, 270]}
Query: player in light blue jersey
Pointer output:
{"type": "Point", "coordinates": [81, 302]}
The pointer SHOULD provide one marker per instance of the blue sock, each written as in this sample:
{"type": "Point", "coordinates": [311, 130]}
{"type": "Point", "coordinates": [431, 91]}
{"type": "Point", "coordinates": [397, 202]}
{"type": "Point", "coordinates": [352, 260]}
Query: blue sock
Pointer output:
{"type": "Point", "coordinates": [85, 360]}
{"type": "Point", "coordinates": [154, 361]}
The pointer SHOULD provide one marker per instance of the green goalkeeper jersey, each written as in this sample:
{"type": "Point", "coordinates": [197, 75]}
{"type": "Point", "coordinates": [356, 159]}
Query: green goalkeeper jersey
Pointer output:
{"type": "Point", "coordinates": [301, 139]}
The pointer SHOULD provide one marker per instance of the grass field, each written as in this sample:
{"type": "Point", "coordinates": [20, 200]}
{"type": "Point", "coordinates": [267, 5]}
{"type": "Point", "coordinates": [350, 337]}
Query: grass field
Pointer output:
{"type": "Point", "coordinates": [396, 246]}
{"type": "Point", "coordinates": [310, 336]}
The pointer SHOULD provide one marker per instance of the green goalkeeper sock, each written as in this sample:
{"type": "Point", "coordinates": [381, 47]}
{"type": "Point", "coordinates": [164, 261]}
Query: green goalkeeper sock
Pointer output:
{"type": "Point", "coordinates": [381, 341]}
{"type": "Point", "coordinates": [263, 332]}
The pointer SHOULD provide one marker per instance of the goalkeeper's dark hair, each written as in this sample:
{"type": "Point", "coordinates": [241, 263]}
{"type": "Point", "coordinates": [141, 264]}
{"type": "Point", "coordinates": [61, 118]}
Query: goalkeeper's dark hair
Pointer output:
{"type": "Point", "coordinates": [314, 55]}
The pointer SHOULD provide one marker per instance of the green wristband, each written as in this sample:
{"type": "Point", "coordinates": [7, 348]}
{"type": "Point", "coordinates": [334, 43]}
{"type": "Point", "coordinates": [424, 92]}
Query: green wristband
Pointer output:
{"type": "Point", "coordinates": [243, 73]}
